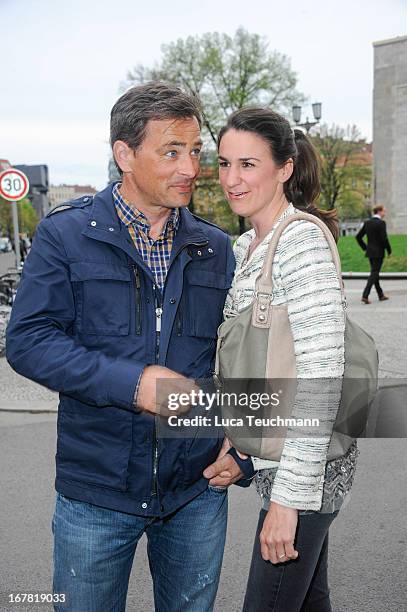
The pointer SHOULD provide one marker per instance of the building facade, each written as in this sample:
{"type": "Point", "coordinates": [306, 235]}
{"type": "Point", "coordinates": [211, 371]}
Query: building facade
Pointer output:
{"type": "Point", "coordinates": [4, 165]}
{"type": "Point", "coordinates": [39, 184]}
{"type": "Point", "coordinates": [390, 131]}
{"type": "Point", "coordinates": [62, 193]}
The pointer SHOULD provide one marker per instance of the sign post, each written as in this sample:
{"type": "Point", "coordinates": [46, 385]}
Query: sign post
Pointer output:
{"type": "Point", "coordinates": [14, 186]}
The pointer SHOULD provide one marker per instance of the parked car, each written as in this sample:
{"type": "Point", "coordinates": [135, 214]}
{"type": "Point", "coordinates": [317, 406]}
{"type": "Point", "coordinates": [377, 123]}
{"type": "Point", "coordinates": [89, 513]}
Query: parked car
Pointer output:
{"type": "Point", "coordinates": [5, 244]}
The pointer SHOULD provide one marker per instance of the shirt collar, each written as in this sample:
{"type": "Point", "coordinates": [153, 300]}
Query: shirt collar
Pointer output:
{"type": "Point", "coordinates": [129, 214]}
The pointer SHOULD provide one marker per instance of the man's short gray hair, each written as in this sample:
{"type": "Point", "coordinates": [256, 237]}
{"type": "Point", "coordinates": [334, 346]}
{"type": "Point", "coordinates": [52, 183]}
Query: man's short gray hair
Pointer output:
{"type": "Point", "coordinates": [155, 100]}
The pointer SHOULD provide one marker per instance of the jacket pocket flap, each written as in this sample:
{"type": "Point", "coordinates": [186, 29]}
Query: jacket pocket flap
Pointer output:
{"type": "Point", "coordinates": [206, 278]}
{"type": "Point", "coordinates": [87, 270]}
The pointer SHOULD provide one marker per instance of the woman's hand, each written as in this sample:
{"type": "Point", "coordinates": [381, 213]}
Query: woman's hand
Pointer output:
{"type": "Point", "coordinates": [225, 447]}
{"type": "Point", "coordinates": [278, 533]}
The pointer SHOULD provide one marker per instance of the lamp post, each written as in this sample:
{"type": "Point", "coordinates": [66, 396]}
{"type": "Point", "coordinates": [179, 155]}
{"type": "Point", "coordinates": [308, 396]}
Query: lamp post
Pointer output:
{"type": "Point", "coordinates": [317, 112]}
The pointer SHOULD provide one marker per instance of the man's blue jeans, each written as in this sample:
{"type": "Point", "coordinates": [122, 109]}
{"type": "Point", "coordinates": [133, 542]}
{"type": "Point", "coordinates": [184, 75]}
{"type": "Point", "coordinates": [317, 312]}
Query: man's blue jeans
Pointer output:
{"type": "Point", "coordinates": [94, 550]}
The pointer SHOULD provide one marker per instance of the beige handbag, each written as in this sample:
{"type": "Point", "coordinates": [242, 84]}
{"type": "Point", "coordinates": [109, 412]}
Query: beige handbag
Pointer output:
{"type": "Point", "coordinates": [255, 352]}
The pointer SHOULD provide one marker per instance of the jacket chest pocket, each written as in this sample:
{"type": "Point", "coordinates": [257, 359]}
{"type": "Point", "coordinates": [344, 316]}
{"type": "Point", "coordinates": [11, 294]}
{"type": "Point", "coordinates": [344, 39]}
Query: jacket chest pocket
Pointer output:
{"type": "Point", "coordinates": [102, 293]}
{"type": "Point", "coordinates": [205, 294]}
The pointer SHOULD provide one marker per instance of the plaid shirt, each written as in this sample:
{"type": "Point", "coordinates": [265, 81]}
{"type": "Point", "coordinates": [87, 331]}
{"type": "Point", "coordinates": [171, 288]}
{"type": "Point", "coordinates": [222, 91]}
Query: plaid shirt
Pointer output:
{"type": "Point", "coordinates": [155, 253]}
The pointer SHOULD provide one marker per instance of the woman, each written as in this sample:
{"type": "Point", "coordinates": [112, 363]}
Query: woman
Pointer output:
{"type": "Point", "coordinates": [268, 172]}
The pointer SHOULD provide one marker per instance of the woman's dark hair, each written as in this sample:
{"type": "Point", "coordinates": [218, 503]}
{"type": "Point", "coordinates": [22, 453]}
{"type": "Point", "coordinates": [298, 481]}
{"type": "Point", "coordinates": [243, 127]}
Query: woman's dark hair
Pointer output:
{"type": "Point", "coordinates": [155, 100]}
{"type": "Point", "coordinates": [303, 187]}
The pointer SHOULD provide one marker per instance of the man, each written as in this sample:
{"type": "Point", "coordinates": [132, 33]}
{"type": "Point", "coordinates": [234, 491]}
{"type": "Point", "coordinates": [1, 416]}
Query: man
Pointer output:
{"type": "Point", "coordinates": [121, 291]}
{"type": "Point", "coordinates": [377, 243]}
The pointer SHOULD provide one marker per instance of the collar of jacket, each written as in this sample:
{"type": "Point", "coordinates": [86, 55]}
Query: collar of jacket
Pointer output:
{"type": "Point", "coordinates": [104, 225]}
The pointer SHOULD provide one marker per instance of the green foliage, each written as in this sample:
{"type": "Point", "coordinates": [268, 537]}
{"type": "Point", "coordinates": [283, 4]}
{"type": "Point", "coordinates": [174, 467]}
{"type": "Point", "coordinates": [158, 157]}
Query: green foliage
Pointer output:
{"type": "Point", "coordinates": [210, 203]}
{"type": "Point", "coordinates": [27, 218]}
{"type": "Point", "coordinates": [353, 258]}
{"type": "Point", "coordinates": [227, 73]}
{"type": "Point", "coordinates": [352, 202]}
{"type": "Point", "coordinates": [345, 181]}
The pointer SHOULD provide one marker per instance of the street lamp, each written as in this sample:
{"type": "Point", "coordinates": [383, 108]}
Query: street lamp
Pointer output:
{"type": "Point", "coordinates": [317, 112]}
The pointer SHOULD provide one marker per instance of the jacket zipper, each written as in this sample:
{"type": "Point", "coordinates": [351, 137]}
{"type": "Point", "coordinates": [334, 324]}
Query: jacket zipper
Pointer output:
{"type": "Point", "coordinates": [178, 318]}
{"type": "Point", "coordinates": [158, 317]}
{"type": "Point", "coordinates": [178, 322]}
{"type": "Point", "coordinates": [138, 300]}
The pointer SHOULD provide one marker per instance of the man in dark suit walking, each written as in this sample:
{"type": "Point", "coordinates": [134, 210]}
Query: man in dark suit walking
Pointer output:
{"type": "Point", "coordinates": [377, 244]}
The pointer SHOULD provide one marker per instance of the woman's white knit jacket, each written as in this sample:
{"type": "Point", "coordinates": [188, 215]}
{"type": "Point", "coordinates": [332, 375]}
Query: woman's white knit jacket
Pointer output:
{"type": "Point", "coordinates": [304, 277]}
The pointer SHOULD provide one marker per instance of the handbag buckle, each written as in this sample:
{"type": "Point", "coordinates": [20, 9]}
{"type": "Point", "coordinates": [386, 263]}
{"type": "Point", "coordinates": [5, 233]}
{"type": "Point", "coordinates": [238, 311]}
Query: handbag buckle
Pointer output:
{"type": "Point", "coordinates": [268, 296]}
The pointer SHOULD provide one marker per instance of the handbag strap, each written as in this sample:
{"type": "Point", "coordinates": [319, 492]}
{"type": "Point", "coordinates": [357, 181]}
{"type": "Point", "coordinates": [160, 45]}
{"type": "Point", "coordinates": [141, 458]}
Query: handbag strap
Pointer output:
{"type": "Point", "coordinates": [264, 283]}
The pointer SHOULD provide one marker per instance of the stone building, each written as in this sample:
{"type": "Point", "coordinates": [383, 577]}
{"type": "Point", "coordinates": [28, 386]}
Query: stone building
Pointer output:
{"type": "Point", "coordinates": [390, 131]}
{"type": "Point", "coordinates": [38, 177]}
{"type": "Point", "coordinates": [62, 193]}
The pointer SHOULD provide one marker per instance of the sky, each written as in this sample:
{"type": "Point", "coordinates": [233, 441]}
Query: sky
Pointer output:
{"type": "Point", "coordinates": [63, 64]}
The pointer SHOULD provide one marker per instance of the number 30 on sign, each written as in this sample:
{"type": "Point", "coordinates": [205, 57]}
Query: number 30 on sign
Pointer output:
{"type": "Point", "coordinates": [14, 185]}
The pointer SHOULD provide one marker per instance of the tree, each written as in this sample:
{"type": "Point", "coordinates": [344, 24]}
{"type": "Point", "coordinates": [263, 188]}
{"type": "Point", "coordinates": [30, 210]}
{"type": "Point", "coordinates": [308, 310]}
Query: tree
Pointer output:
{"type": "Point", "coordinates": [210, 202]}
{"type": "Point", "coordinates": [27, 218]}
{"type": "Point", "coordinates": [343, 175]}
{"type": "Point", "coordinates": [227, 73]}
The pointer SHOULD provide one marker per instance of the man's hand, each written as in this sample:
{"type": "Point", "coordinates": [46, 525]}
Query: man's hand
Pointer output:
{"type": "Point", "coordinates": [225, 470]}
{"type": "Point", "coordinates": [156, 383]}
{"type": "Point", "coordinates": [278, 533]}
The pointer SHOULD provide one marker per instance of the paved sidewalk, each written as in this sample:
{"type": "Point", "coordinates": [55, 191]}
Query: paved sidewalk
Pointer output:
{"type": "Point", "coordinates": [385, 321]}
{"type": "Point", "coordinates": [23, 395]}
{"type": "Point", "coordinates": [7, 260]}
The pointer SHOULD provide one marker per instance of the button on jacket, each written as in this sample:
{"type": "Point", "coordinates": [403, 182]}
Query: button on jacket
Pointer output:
{"type": "Point", "coordinates": [84, 323]}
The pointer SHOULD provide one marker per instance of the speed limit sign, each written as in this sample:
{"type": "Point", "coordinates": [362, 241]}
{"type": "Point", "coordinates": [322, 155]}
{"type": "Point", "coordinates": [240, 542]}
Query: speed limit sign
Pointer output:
{"type": "Point", "coordinates": [14, 185]}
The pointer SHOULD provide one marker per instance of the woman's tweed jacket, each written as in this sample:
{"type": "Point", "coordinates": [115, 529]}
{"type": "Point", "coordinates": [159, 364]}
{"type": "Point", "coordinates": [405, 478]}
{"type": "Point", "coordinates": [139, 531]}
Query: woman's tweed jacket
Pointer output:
{"type": "Point", "coordinates": [305, 278]}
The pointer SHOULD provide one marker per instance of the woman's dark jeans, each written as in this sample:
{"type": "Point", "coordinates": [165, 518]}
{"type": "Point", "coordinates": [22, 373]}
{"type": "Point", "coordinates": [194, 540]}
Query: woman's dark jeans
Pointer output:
{"type": "Point", "coordinates": [299, 585]}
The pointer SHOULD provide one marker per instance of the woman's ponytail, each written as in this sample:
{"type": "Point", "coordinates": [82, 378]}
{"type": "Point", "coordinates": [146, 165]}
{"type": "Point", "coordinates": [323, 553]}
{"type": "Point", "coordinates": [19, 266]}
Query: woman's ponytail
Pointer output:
{"type": "Point", "coordinates": [304, 187]}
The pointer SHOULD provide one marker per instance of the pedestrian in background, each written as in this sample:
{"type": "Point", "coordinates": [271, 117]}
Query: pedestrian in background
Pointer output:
{"type": "Point", "coordinates": [377, 243]}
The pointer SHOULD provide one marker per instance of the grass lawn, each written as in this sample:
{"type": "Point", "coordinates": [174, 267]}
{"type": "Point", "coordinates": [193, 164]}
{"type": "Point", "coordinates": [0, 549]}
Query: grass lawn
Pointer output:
{"type": "Point", "coordinates": [353, 258]}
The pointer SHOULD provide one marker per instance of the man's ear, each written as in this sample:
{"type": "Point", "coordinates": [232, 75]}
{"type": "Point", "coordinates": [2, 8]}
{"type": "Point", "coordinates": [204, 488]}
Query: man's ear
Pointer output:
{"type": "Point", "coordinates": [286, 170]}
{"type": "Point", "coordinates": [123, 155]}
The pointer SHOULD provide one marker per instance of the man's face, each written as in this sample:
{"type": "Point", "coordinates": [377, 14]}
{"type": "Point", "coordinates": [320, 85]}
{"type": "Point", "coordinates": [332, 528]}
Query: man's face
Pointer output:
{"type": "Point", "coordinates": [164, 168]}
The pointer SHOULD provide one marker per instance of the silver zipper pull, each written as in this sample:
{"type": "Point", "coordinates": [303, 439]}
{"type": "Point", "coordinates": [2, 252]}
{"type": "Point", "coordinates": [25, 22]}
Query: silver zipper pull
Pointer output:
{"type": "Point", "coordinates": [158, 313]}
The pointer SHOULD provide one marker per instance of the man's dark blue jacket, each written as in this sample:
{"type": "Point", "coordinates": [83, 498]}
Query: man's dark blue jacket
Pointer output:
{"type": "Point", "coordinates": [84, 324]}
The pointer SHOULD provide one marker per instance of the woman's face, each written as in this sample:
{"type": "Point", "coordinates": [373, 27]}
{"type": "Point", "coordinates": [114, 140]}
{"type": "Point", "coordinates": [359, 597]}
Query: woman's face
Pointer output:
{"type": "Point", "coordinates": [249, 177]}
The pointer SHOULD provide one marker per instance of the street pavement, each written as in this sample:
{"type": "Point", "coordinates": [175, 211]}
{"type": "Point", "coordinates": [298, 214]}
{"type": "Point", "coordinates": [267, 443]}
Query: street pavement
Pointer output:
{"type": "Point", "coordinates": [368, 540]}
{"type": "Point", "coordinates": [7, 260]}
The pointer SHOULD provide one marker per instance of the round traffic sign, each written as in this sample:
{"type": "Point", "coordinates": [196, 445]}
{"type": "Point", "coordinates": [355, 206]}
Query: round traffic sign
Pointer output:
{"type": "Point", "coordinates": [14, 185]}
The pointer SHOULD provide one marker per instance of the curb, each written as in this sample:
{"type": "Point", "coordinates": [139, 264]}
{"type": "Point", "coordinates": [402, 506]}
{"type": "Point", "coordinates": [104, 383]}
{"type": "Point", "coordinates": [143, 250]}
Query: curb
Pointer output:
{"type": "Point", "coordinates": [383, 275]}
{"type": "Point", "coordinates": [30, 406]}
